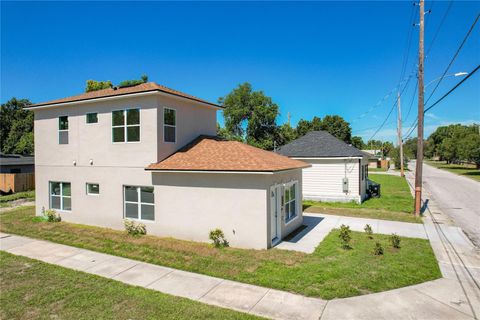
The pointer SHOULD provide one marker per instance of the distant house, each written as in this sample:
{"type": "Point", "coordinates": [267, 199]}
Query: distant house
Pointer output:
{"type": "Point", "coordinates": [338, 171]}
{"type": "Point", "coordinates": [16, 163]}
{"type": "Point", "coordinates": [16, 173]}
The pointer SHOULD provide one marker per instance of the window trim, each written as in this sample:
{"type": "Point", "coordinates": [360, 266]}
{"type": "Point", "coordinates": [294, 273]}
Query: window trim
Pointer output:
{"type": "Point", "coordinates": [86, 118]}
{"type": "Point", "coordinates": [63, 130]}
{"type": "Point", "coordinates": [289, 219]}
{"type": "Point", "coordinates": [92, 194]}
{"type": "Point", "coordinates": [169, 125]}
{"type": "Point", "coordinates": [139, 204]}
{"type": "Point", "coordinates": [61, 196]}
{"type": "Point", "coordinates": [125, 125]}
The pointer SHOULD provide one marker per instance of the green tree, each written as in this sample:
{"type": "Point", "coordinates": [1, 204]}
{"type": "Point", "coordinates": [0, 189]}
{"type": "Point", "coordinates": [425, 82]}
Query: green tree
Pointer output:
{"type": "Point", "coordinates": [448, 150]}
{"type": "Point", "coordinates": [285, 134]}
{"type": "Point", "coordinates": [251, 115]}
{"type": "Point", "coordinates": [410, 148]}
{"type": "Point", "coordinates": [16, 129]}
{"type": "Point", "coordinates": [469, 148]}
{"type": "Point", "coordinates": [358, 143]}
{"type": "Point", "coordinates": [338, 127]}
{"type": "Point", "coordinates": [303, 127]}
{"type": "Point", "coordinates": [93, 85]}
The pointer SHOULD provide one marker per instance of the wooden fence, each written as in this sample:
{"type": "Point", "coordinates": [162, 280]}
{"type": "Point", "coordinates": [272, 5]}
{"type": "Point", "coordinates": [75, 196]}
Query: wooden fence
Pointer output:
{"type": "Point", "coordinates": [17, 182]}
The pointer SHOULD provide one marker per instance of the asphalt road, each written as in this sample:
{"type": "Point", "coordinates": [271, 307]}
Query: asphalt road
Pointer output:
{"type": "Point", "coordinates": [457, 196]}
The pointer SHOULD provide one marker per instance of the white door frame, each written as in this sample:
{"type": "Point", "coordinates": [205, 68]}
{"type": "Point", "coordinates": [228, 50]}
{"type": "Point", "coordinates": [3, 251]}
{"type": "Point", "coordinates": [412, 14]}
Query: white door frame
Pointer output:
{"type": "Point", "coordinates": [275, 214]}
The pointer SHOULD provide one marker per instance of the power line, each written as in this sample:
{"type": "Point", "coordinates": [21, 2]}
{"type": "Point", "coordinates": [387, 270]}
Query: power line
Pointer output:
{"type": "Point", "coordinates": [454, 57]}
{"type": "Point", "coordinates": [391, 110]}
{"type": "Point", "coordinates": [453, 89]}
{"type": "Point", "coordinates": [439, 26]}
{"type": "Point", "coordinates": [412, 128]}
{"type": "Point", "coordinates": [411, 102]}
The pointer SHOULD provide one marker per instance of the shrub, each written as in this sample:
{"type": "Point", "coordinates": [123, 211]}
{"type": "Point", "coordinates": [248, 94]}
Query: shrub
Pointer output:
{"type": "Point", "coordinates": [218, 238]}
{"type": "Point", "coordinates": [378, 250]}
{"type": "Point", "coordinates": [345, 236]}
{"type": "Point", "coordinates": [52, 216]}
{"type": "Point", "coordinates": [395, 239]}
{"type": "Point", "coordinates": [368, 231]}
{"type": "Point", "coordinates": [133, 228]}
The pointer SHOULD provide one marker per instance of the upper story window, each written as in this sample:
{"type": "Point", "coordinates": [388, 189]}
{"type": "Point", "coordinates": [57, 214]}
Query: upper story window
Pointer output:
{"type": "Point", "coordinates": [169, 125]}
{"type": "Point", "coordinates": [126, 125]}
{"type": "Point", "coordinates": [63, 130]}
{"type": "Point", "coordinates": [91, 117]}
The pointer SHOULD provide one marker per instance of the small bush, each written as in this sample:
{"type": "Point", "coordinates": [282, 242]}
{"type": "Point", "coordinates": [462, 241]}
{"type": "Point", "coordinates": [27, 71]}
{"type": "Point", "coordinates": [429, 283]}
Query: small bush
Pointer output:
{"type": "Point", "coordinates": [378, 250]}
{"type": "Point", "coordinates": [133, 228]}
{"type": "Point", "coordinates": [345, 236]}
{"type": "Point", "coordinates": [52, 216]}
{"type": "Point", "coordinates": [395, 239]}
{"type": "Point", "coordinates": [368, 231]}
{"type": "Point", "coordinates": [218, 238]}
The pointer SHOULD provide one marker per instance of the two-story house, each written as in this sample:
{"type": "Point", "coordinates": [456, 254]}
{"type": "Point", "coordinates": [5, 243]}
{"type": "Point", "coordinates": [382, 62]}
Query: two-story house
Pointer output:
{"type": "Point", "coordinates": [149, 153]}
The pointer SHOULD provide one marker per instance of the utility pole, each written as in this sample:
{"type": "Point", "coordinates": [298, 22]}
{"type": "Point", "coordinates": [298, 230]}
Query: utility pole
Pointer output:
{"type": "Point", "coordinates": [419, 165]}
{"type": "Point", "coordinates": [399, 131]}
{"type": "Point", "coordinates": [288, 117]}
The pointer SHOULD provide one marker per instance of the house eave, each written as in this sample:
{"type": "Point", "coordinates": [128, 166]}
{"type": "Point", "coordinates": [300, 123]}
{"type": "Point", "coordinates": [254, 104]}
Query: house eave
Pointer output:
{"type": "Point", "coordinates": [121, 96]}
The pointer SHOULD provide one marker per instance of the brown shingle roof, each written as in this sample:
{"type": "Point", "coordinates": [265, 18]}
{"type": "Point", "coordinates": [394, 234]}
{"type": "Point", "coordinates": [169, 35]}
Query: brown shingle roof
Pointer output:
{"type": "Point", "coordinates": [144, 87]}
{"type": "Point", "coordinates": [214, 154]}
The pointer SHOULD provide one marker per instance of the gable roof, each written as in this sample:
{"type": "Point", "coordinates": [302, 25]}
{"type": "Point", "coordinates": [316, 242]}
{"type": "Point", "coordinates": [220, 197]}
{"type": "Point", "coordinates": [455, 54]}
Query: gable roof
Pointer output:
{"type": "Point", "coordinates": [207, 153]}
{"type": "Point", "coordinates": [113, 92]}
{"type": "Point", "coordinates": [319, 144]}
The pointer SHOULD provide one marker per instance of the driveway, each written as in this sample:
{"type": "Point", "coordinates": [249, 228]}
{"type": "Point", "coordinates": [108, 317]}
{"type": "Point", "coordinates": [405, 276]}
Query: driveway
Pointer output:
{"type": "Point", "coordinates": [456, 196]}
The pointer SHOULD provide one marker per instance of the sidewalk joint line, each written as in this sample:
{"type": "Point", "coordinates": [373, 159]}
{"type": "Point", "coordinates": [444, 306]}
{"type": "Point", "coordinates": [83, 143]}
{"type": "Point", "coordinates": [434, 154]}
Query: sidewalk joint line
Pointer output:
{"type": "Point", "coordinates": [211, 289]}
{"type": "Point", "coordinates": [323, 310]}
{"type": "Point", "coordinates": [268, 290]}
{"type": "Point", "coordinates": [446, 304]}
{"type": "Point", "coordinates": [136, 264]}
{"type": "Point", "coordinates": [162, 276]}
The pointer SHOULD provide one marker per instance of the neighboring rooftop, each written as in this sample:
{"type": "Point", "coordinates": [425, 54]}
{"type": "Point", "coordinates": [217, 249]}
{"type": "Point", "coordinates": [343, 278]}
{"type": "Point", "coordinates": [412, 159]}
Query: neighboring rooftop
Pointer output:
{"type": "Point", "coordinates": [16, 159]}
{"type": "Point", "coordinates": [319, 144]}
{"type": "Point", "coordinates": [110, 92]}
{"type": "Point", "coordinates": [207, 153]}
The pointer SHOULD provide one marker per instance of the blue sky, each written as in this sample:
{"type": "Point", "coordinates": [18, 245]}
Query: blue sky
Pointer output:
{"type": "Point", "coordinates": [312, 58]}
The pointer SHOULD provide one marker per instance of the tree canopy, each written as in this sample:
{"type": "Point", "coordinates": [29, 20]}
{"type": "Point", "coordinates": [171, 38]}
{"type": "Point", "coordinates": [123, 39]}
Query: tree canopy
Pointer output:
{"type": "Point", "coordinates": [16, 130]}
{"type": "Point", "coordinates": [455, 143]}
{"type": "Point", "coordinates": [251, 116]}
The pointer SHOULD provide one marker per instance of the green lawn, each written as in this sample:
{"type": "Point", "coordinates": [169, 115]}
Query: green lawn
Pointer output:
{"type": "Point", "coordinates": [27, 195]}
{"type": "Point", "coordinates": [466, 170]}
{"type": "Point", "coordinates": [330, 272]}
{"type": "Point", "coordinates": [35, 290]}
{"type": "Point", "coordinates": [395, 203]}
{"type": "Point", "coordinates": [377, 169]}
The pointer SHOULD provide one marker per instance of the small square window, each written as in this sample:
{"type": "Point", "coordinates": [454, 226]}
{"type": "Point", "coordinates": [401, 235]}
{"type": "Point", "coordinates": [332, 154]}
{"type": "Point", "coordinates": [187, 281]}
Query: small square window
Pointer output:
{"type": "Point", "coordinates": [93, 188]}
{"type": "Point", "coordinates": [92, 117]}
{"type": "Point", "coordinates": [63, 123]}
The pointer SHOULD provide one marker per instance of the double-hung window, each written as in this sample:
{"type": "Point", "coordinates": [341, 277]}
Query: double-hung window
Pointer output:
{"type": "Point", "coordinates": [169, 125]}
{"type": "Point", "coordinates": [139, 203]}
{"type": "Point", "coordinates": [63, 130]}
{"type": "Point", "coordinates": [126, 125]}
{"type": "Point", "coordinates": [290, 200]}
{"type": "Point", "coordinates": [60, 196]}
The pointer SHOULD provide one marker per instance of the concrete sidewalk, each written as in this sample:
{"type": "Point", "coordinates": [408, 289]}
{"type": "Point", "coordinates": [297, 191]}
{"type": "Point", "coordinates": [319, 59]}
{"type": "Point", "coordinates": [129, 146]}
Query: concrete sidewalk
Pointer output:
{"type": "Point", "coordinates": [440, 299]}
{"type": "Point", "coordinates": [319, 226]}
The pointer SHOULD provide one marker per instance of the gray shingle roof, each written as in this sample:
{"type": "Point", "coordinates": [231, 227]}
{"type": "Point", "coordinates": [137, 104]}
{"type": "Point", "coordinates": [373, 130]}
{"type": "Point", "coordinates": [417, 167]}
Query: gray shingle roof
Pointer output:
{"type": "Point", "coordinates": [319, 144]}
{"type": "Point", "coordinates": [15, 159]}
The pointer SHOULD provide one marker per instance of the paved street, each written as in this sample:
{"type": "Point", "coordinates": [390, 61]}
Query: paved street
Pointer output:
{"type": "Point", "coordinates": [456, 196]}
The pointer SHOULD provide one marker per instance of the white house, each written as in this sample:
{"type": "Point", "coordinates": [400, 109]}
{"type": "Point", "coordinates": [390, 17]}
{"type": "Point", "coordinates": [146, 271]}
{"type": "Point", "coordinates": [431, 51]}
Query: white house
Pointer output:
{"type": "Point", "coordinates": [338, 170]}
{"type": "Point", "coordinates": [148, 153]}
